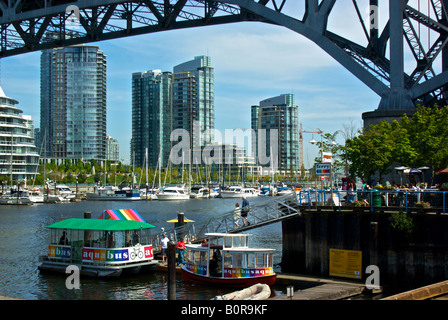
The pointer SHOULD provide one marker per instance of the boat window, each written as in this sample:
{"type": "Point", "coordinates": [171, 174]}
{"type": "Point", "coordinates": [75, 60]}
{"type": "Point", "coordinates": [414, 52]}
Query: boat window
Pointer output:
{"type": "Point", "coordinates": [251, 260]}
{"type": "Point", "coordinates": [119, 239]}
{"type": "Point", "coordinates": [260, 260]}
{"type": "Point", "coordinates": [227, 260]}
{"type": "Point", "coordinates": [264, 260]}
{"type": "Point", "coordinates": [243, 241]}
{"type": "Point", "coordinates": [237, 260]}
{"type": "Point", "coordinates": [145, 237]}
{"type": "Point", "coordinates": [228, 242]}
{"type": "Point", "coordinates": [270, 260]}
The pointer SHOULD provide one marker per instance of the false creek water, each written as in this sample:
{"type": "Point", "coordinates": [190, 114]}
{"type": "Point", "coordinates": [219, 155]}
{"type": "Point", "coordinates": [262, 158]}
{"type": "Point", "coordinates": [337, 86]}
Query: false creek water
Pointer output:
{"type": "Point", "coordinates": [23, 238]}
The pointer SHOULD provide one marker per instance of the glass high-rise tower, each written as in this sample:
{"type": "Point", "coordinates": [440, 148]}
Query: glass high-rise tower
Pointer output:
{"type": "Point", "coordinates": [165, 101]}
{"type": "Point", "coordinates": [151, 117]}
{"type": "Point", "coordinates": [282, 114]}
{"type": "Point", "coordinates": [73, 103]}
{"type": "Point", "coordinates": [193, 99]}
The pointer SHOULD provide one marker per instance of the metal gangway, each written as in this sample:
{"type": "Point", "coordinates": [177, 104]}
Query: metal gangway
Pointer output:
{"type": "Point", "coordinates": [271, 210]}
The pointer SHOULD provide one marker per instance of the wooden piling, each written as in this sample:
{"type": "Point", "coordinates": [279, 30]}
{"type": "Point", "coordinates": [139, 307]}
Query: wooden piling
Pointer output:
{"type": "Point", "coordinates": [171, 270]}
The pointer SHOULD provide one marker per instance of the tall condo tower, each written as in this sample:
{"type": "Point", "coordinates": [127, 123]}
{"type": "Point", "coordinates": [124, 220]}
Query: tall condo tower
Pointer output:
{"type": "Point", "coordinates": [18, 157]}
{"type": "Point", "coordinates": [282, 114]}
{"type": "Point", "coordinates": [166, 101]}
{"type": "Point", "coordinates": [151, 117]}
{"type": "Point", "coordinates": [73, 103]}
{"type": "Point", "coordinates": [193, 99]}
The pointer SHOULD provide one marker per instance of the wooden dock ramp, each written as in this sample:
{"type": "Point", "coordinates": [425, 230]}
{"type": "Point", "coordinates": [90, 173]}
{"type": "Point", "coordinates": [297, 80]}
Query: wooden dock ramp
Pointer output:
{"type": "Point", "coordinates": [433, 291]}
{"type": "Point", "coordinates": [328, 291]}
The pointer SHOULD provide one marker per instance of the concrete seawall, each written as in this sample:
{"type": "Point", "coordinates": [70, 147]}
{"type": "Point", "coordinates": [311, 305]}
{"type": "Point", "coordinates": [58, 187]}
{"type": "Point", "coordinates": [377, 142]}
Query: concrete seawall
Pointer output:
{"type": "Point", "coordinates": [412, 258]}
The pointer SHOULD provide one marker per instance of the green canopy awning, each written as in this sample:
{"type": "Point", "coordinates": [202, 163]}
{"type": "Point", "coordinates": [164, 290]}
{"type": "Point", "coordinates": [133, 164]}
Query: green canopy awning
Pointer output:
{"type": "Point", "coordinates": [99, 224]}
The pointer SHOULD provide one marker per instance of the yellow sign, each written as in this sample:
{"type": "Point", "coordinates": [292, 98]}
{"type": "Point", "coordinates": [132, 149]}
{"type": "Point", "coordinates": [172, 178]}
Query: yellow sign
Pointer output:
{"type": "Point", "coordinates": [346, 263]}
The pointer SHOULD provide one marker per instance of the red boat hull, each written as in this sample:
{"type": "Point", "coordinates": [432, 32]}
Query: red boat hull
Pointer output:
{"type": "Point", "coordinates": [230, 282]}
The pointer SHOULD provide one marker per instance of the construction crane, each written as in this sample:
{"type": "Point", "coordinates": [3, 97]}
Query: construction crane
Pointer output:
{"type": "Point", "coordinates": [301, 131]}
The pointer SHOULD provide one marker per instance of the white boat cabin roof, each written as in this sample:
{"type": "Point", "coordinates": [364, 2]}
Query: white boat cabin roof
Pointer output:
{"type": "Point", "coordinates": [228, 242]}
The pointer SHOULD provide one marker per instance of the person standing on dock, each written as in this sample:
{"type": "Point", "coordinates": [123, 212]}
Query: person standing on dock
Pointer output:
{"type": "Point", "coordinates": [245, 211]}
{"type": "Point", "coordinates": [237, 215]}
{"type": "Point", "coordinates": [164, 246]}
{"type": "Point", "coordinates": [181, 247]}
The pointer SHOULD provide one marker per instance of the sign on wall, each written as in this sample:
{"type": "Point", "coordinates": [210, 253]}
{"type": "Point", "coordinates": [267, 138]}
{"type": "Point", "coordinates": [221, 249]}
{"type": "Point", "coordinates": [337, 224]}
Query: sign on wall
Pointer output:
{"type": "Point", "coordinates": [346, 263]}
{"type": "Point", "coordinates": [323, 168]}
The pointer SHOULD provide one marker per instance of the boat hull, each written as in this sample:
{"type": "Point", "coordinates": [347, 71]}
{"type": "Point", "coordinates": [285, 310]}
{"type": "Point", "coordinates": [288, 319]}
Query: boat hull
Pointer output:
{"type": "Point", "coordinates": [94, 196]}
{"type": "Point", "coordinates": [99, 272]}
{"type": "Point", "coordinates": [230, 282]}
{"type": "Point", "coordinates": [238, 194]}
{"type": "Point", "coordinates": [163, 197]}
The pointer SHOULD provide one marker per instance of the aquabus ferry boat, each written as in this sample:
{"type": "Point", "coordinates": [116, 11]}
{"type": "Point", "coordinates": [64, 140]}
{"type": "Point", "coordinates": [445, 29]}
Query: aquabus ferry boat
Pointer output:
{"type": "Point", "coordinates": [118, 243]}
{"type": "Point", "coordinates": [226, 259]}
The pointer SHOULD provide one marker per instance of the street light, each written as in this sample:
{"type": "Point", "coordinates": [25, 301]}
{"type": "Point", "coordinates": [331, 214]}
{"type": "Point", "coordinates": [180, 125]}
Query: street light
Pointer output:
{"type": "Point", "coordinates": [321, 143]}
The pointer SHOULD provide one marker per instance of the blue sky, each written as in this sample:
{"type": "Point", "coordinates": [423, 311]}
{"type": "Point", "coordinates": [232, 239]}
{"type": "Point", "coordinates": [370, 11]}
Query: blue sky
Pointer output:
{"type": "Point", "coordinates": [252, 62]}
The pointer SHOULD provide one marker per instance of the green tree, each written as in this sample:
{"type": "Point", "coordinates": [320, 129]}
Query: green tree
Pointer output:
{"type": "Point", "coordinates": [428, 134]}
{"type": "Point", "coordinates": [371, 151]}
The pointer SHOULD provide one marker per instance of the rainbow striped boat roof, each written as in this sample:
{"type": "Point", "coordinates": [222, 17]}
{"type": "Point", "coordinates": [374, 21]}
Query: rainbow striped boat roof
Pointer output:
{"type": "Point", "coordinates": [121, 214]}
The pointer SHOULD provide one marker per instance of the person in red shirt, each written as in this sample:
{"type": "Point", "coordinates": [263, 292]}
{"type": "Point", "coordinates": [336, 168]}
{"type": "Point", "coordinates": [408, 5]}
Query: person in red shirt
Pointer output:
{"type": "Point", "coordinates": [181, 247]}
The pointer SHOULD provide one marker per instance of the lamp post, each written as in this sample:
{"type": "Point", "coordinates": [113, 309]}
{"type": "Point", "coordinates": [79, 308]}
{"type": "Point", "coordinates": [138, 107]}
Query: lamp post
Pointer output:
{"type": "Point", "coordinates": [345, 150]}
{"type": "Point", "coordinates": [321, 143]}
{"type": "Point", "coordinates": [321, 156]}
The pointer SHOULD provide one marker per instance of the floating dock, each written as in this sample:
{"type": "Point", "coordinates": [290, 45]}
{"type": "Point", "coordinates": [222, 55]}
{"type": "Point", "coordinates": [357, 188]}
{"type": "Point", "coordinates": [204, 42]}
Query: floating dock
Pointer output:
{"type": "Point", "coordinates": [322, 288]}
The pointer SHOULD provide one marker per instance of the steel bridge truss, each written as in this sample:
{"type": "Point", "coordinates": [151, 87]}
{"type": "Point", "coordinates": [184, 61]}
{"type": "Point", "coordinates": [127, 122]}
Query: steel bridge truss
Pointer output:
{"type": "Point", "coordinates": [379, 61]}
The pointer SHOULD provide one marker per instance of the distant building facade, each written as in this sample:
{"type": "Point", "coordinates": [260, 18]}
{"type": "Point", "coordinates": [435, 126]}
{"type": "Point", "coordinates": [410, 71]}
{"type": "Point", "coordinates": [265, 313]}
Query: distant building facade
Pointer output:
{"type": "Point", "coordinates": [113, 150]}
{"type": "Point", "coordinates": [151, 117]}
{"type": "Point", "coordinates": [165, 101]}
{"type": "Point", "coordinates": [279, 113]}
{"type": "Point", "coordinates": [19, 159]}
{"type": "Point", "coordinates": [193, 99]}
{"type": "Point", "coordinates": [73, 103]}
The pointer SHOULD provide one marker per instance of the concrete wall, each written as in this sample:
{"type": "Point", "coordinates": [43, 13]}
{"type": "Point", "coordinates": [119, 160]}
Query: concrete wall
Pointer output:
{"type": "Point", "coordinates": [418, 258]}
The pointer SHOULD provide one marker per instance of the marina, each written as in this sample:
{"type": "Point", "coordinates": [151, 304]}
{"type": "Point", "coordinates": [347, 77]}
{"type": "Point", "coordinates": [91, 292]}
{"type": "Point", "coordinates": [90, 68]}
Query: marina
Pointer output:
{"type": "Point", "coordinates": [23, 238]}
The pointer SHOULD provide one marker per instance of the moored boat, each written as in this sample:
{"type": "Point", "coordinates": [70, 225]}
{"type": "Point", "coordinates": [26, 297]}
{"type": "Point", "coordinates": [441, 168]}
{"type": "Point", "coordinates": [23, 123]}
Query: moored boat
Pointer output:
{"type": "Point", "coordinates": [227, 260]}
{"type": "Point", "coordinates": [118, 243]}
{"type": "Point", "coordinates": [172, 193]}
{"type": "Point", "coordinates": [283, 190]}
{"type": "Point", "coordinates": [113, 193]}
{"type": "Point", "coordinates": [199, 192]}
{"type": "Point", "coordinates": [16, 197]}
{"type": "Point", "coordinates": [238, 192]}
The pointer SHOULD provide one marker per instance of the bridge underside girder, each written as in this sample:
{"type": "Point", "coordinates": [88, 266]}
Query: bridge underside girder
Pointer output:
{"type": "Point", "coordinates": [27, 26]}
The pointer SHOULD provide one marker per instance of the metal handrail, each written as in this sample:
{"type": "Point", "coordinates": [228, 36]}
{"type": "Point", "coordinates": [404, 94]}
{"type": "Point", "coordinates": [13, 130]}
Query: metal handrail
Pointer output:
{"type": "Point", "coordinates": [273, 209]}
{"type": "Point", "coordinates": [405, 199]}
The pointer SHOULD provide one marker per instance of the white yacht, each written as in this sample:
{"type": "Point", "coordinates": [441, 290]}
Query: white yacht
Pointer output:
{"type": "Point", "coordinates": [113, 193]}
{"type": "Point", "coordinates": [59, 193]}
{"type": "Point", "coordinates": [238, 192]}
{"type": "Point", "coordinates": [172, 193]}
{"type": "Point", "coordinates": [15, 197]}
{"type": "Point", "coordinates": [35, 195]}
{"type": "Point", "coordinates": [151, 194]}
{"type": "Point", "coordinates": [284, 189]}
{"type": "Point", "coordinates": [199, 192]}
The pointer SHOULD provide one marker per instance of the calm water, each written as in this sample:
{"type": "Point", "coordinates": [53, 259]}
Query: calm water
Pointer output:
{"type": "Point", "coordinates": [23, 238]}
